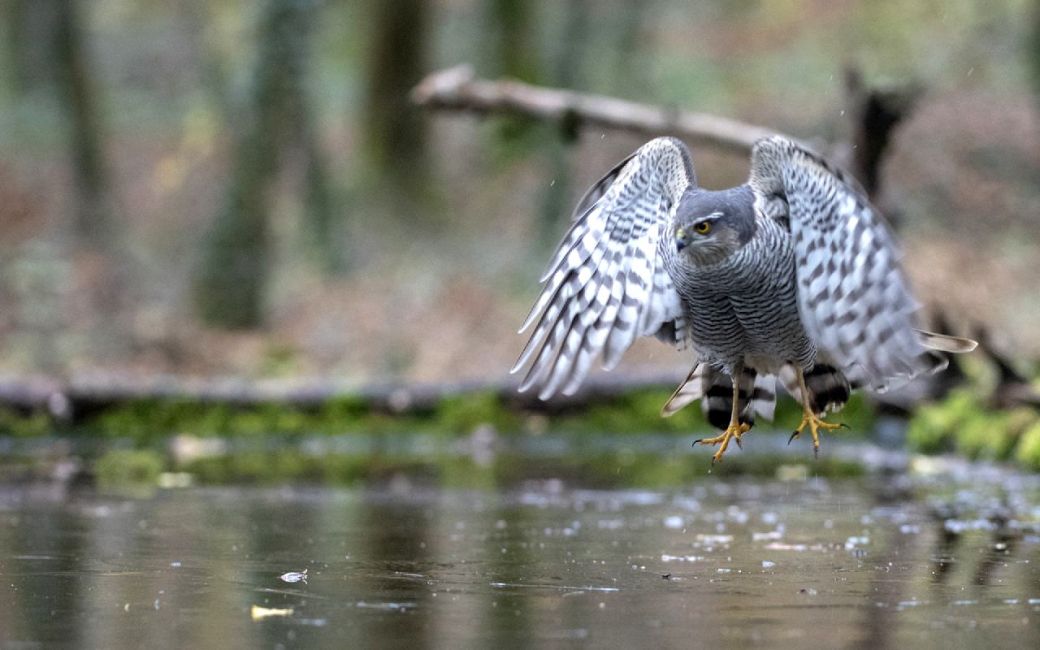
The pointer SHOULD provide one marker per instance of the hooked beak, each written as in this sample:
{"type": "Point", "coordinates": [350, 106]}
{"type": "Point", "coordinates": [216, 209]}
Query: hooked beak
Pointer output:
{"type": "Point", "coordinates": [681, 241]}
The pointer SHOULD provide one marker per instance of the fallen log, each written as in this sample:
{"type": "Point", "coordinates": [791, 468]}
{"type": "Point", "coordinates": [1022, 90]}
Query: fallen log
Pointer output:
{"type": "Point", "coordinates": [72, 399]}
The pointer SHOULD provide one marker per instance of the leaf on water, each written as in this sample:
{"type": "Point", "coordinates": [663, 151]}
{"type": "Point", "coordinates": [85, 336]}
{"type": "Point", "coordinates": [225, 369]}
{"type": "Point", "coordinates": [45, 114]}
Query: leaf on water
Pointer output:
{"type": "Point", "coordinates": [258, 613]}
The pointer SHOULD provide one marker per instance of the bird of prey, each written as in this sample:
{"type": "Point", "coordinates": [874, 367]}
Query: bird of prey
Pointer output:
{"type": "Point", "coordinates": [792, 275]}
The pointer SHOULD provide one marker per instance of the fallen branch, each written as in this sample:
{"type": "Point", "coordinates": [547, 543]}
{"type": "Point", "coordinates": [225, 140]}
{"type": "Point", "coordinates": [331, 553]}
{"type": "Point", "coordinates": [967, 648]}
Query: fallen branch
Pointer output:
{"type": "Point", "coordinates": [459, 89]}
{"type": "Point", "coordinates": [74, 399]}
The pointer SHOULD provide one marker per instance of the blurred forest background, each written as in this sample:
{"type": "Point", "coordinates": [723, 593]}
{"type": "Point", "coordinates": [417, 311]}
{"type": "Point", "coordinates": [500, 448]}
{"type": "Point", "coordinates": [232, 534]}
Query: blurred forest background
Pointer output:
{"type": "Point", "coordinates": [242, 187]}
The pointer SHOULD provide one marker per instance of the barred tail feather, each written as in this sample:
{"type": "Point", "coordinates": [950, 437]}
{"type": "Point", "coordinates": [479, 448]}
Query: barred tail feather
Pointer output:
{"type": "Point", "coordinates": [715, 388]}
{"type": "Point", "coordinates": [718, 398]}
{"type": "Point", "coordinates": [828, 387]}
{"type": "Point", "coordinates": [763, 397]}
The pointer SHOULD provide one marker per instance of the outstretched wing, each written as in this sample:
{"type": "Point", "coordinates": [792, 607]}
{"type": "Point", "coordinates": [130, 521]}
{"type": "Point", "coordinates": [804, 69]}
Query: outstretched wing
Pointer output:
{"type": "Point", "coordinates": [606, 283]}
{"type": "Point", "coordinates": [852, 296]}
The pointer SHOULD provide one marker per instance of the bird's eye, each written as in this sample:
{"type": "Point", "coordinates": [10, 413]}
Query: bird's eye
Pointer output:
{"type": "Point", "coordinates": [703, 228]}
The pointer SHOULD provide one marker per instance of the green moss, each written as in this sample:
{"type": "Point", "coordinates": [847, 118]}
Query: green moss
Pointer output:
{"type": "Point", "coordinates": [933, 427]}
{"type": "Point", "coordinates": [24, 426]}
{"type": "Point", "coordinates": [1028, 450]}
{"type": "Point", "coordinates": [636, 412]}
{"type": "Point", "coordinates": [962, 423]}
{"type": "Point", "coordinates": [462, 472]}
{"type": "Point", "coordinates": [464, 413]}
{"type": "Point", "coordinates": [128, 468]}
{"type": "Point", "coordinates": [287, 465]}
{"type": "Point", "coordinates": [993, 434]}
{"type": "Point", "coordinates": [983, 436]}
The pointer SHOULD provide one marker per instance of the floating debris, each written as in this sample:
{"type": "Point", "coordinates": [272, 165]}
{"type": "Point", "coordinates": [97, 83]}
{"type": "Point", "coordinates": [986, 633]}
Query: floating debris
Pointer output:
{"type": "Point", "coordinates": [394, 607]}
{"type": "Point", "coordinates": [768, 536]}
{"type": "Point", "coordinates": [781, 546]}
{"type": "Point", "coordinates": [510, 585]}
{"type": "Point", "coordinates": [294, 576]}
{"type": "Point", "coordinates": [259, 613]}
{"type": "Point", "coordinates": [681, 558]}
{"type": "Point", "coordinates": [714, 539]}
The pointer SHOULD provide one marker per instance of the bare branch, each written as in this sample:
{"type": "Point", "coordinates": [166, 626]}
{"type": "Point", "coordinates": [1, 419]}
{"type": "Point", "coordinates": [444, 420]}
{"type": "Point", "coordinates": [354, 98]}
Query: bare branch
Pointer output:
{"type": "Point", "coordinates": [459, 89]}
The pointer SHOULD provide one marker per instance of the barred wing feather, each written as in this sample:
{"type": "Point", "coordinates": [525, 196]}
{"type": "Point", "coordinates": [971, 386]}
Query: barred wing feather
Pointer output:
{"type": "Point", "coordinates": [606, 284]}
{"type": "Point", "coordinates": [853, 298]}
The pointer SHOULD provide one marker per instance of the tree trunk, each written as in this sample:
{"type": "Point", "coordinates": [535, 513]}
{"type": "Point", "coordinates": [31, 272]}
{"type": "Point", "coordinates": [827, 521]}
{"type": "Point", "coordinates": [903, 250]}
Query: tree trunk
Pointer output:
{"type": "Point", "coordinates": [513, 55]}
{"type": "Point", "coordinates": [394, 130]}
{"type": "Point", "coordinates": [230, 285]}
{"type": "Point", "coordinates": [1033, 52]}
{"type": "Point", "coordinates": [568, 68]}
{"type": "Point", "coordinates": [75, 87]}
{"type": "Point", "coordinates": [29, 26]}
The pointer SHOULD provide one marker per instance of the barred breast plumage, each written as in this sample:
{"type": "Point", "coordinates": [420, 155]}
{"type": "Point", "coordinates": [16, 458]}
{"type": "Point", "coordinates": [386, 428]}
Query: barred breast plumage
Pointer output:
{"type": "Point", "coordinates": [744, 308]}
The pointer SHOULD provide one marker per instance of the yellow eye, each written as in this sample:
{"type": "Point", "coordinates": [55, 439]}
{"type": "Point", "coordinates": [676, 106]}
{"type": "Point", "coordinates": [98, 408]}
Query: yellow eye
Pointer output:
{"type": "Point", "coordinates": [703, 228]}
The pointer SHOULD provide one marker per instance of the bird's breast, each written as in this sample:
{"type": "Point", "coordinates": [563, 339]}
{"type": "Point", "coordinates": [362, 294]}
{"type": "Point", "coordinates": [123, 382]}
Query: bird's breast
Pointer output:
{"type": "Point", "coordinates": [746, 307]}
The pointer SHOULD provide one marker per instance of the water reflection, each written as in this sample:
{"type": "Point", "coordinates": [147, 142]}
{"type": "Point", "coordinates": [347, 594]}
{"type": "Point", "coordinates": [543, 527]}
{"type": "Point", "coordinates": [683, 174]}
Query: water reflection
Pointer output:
{"type": "Point", "coordinates": [723, 562]}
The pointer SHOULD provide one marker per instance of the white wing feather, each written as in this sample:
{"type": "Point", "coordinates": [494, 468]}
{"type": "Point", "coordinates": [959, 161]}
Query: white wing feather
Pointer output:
{"type": "Point", "coordinates": [606, 284]}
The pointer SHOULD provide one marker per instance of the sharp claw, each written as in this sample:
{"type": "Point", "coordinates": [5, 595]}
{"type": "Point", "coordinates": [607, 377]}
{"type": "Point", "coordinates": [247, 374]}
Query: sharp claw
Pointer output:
{"type": "Point", "coordinates": [696, 441]}
{"type": "Point", "coordinates": [739, 443]}
{"type": "Point", "coordinates": [793, 436]}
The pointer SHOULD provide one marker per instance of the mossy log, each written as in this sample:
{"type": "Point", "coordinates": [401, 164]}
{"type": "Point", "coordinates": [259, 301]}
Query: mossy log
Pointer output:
{"type": "Point", "coordinates": [78, 397]}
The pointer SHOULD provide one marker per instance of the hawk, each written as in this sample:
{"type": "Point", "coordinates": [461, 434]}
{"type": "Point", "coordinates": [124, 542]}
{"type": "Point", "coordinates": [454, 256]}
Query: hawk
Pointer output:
{"type": "Point", "coordinates": [792, 275]}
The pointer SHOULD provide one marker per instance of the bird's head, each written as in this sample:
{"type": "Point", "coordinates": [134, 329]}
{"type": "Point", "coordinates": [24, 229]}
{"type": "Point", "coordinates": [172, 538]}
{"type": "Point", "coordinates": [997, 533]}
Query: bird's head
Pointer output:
{"type": "Point", "coordinates": [709, 226]}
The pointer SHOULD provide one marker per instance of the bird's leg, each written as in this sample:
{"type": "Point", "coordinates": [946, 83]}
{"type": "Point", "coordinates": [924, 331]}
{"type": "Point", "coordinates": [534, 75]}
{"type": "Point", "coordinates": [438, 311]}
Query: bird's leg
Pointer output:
{"type": "Point", "coordinates": [735, 429]}
{"type": "Point", "coordinates": [810, 419]}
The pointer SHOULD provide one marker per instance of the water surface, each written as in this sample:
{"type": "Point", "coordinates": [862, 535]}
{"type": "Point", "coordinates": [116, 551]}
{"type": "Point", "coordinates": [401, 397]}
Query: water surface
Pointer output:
{"type": "Point", "coordinates": [887, 561]}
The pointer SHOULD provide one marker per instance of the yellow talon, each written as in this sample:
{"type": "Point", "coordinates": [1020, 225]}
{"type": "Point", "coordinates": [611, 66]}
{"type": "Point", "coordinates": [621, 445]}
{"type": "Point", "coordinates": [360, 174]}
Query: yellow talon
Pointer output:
{"type": "Point", "coordinates": [810, 419]}
{"type": "Point", "coordinates": [814, 422]}
{"type": "Point", "coordinates": [733, 432]}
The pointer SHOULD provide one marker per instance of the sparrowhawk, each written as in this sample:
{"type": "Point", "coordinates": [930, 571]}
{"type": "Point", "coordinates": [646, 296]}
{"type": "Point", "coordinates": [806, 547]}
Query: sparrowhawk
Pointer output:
{"type": "Point", "coordinates": [792, 275]}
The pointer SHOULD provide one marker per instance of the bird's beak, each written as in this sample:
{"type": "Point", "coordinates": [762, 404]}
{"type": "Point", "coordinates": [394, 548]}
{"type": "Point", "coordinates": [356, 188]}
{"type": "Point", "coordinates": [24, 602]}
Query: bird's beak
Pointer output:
{"type": "Point", "coordinates": [680, 240]}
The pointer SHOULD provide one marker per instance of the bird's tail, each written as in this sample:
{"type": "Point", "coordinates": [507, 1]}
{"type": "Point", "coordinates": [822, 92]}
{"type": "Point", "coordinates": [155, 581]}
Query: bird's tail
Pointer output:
{"type": "Point", "coordinates": [715, 390]}
{"type": "Point", "coordinates": [828, 387]}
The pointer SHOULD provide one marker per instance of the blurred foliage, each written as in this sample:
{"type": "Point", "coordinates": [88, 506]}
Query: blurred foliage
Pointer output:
{"type": "Point", "coordinates": [128, 469]}
{"type": "Point", "coordinates": [636, 412]}
{"type": "Point", "coordinates": [23, 425]}
{"type": "Point", "coordinates": [1028, 450]}
{"type": "Point", "coordinates": [624, 467]}
{"type": "Point", "coordinates": [633, 413]}
{"type": "Point", "coordinates": [965, 424]}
